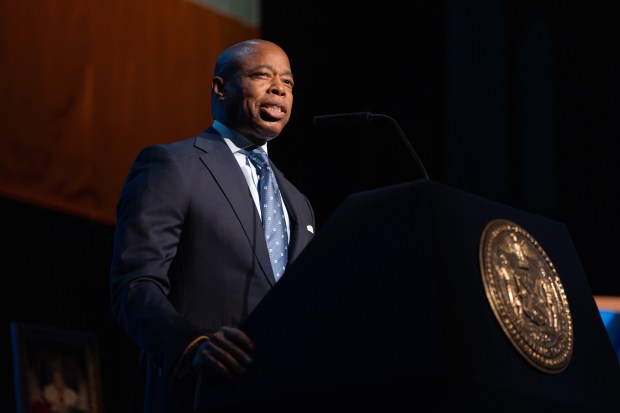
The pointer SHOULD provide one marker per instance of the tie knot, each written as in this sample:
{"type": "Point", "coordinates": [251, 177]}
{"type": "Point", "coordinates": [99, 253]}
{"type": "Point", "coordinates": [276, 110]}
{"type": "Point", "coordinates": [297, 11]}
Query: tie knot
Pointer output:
{"type": "Point", "coordinates": [258, 156]}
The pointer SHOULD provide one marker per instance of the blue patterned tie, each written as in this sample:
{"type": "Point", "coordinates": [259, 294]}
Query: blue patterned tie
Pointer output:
{"type": "Point", "coordinates": [274, 223]}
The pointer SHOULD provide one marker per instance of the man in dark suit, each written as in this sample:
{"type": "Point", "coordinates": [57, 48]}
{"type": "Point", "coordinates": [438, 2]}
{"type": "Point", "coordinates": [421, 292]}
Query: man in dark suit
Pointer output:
{"type": "Point", "coordinates": [190, 260]}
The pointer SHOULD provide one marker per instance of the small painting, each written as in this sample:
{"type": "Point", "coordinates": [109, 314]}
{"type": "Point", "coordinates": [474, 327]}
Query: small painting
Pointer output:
{"type": "Point", "coordinates": [56, 370]}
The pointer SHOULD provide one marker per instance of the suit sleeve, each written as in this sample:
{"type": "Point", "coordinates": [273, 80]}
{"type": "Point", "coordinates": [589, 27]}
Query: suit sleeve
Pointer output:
{"type": "Point", "coordinates": [150, 217]}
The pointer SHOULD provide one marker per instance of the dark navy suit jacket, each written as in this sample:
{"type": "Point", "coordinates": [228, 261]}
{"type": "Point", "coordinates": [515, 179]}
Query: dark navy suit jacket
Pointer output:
{"type": "Point", "coordinates": [189, 254]}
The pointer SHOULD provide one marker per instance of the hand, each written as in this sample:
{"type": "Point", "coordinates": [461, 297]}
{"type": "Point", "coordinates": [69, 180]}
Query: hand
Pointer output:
{"type": "Point", "coordinates": [227, 352]}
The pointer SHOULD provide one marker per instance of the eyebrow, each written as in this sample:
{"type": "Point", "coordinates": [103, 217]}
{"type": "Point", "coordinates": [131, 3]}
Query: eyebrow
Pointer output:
{"type": "Point", "coordinates": [270, 67]}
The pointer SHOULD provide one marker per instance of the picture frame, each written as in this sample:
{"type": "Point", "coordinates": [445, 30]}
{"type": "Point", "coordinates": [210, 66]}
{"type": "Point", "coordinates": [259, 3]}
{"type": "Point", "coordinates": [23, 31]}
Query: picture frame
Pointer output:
{"type": "Point", "coordinates": [54, 369]}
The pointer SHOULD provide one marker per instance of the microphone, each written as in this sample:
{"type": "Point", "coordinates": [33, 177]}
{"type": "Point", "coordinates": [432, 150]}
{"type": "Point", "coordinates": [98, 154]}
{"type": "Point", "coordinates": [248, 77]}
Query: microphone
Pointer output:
{"type": "Point", "coordinates": [357, 118]}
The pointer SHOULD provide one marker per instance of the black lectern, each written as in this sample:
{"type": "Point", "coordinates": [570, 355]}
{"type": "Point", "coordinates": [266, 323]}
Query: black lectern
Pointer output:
{"type": "Point", "coordinates": [386, 309]}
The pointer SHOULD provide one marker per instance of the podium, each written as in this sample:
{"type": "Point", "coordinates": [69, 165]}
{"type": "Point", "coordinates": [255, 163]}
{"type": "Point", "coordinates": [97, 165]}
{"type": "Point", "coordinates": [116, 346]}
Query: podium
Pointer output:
{"type": "Point", "coordinates": [386, 309]}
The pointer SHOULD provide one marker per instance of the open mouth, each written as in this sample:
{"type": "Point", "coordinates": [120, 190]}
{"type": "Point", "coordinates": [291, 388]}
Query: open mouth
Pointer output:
{"type": "Point", "coordinates": [272, 112]}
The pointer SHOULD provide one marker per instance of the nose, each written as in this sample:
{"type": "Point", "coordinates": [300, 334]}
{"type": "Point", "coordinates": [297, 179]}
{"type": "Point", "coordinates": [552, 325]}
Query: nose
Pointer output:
{"type": "Point", "coordinates": [277, 87]}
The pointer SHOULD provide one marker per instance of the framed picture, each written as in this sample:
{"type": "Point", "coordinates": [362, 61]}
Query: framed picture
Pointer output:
{"type": "Point", "coordinates": [56, 370]}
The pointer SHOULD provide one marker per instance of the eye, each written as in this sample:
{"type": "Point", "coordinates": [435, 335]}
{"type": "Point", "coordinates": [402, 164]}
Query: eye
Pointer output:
{"type": "Point", "coordinates": [259, 75]}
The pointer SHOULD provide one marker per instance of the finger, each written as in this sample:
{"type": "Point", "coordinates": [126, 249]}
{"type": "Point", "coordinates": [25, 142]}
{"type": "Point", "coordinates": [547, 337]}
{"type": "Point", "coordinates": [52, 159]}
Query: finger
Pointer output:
{"type": "Point", "coordinates": [225, 355]}
{"type": "Point", "coordinates": [239, 338]}
{"type": "Point", "coordinates": [236, 343]}
{"type": "Point", "coordinates": [214, 364]}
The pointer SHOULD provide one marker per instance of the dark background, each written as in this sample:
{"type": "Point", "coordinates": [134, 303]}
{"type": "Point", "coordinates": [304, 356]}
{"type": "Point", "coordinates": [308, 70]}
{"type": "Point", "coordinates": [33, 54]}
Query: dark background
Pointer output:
{"type": "Point", "coordinates": [515, 101]}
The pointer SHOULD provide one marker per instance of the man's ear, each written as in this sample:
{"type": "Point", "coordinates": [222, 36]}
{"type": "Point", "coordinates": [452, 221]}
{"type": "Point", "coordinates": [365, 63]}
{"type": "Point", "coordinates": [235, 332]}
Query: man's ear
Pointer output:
{"type": "Point", "coordinates": [217, 87]}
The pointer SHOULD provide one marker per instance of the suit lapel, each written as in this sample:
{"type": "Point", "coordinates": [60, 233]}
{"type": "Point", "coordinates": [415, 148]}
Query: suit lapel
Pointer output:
{"type": "Point", "coordinates": [221, 163]}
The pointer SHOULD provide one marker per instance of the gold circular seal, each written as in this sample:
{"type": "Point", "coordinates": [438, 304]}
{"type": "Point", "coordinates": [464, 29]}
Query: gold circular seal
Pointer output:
{"type": "Point", "coordinates": [526, 295]}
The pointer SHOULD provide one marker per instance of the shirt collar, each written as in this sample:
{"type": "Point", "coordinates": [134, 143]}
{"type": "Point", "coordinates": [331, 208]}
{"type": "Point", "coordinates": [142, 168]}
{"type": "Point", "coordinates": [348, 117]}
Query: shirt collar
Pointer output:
{"type": "Point", "coordinates": [235, 141]}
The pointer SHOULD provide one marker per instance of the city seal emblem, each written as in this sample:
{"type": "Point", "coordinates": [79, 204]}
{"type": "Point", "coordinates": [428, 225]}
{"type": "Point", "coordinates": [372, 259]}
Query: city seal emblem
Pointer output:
{"type": "Point", "coordinates": [526, 295]}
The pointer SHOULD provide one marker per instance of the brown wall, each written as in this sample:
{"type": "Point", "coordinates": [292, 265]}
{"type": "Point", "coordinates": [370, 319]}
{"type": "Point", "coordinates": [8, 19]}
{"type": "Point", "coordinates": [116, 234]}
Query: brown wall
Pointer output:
{"type": "Point", "coordinates": [85, 84]}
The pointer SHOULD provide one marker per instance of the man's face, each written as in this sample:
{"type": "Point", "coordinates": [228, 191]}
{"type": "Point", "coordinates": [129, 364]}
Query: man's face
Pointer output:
{"type": "Point", "coordinates": [259, 96]}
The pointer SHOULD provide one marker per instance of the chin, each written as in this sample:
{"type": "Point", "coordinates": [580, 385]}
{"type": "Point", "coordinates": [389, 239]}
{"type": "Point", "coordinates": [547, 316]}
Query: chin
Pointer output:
{"type": "Point", "coordinates": [271, 133]}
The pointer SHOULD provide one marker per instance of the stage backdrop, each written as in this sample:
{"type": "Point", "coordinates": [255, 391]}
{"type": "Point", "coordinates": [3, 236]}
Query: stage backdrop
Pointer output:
{"type": "Point", "coordinates": [85, 84]}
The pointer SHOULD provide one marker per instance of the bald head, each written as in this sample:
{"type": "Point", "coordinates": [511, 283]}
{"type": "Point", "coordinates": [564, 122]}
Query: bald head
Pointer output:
{"type": "Point", "coordinates": [228, 59]}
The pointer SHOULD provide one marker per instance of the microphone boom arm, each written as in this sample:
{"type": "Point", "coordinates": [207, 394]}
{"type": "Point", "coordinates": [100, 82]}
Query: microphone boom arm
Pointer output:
{"type": "Point", "coordinates": [414, 155]}
{"type": "Point", "coordinates": [363, 117]}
